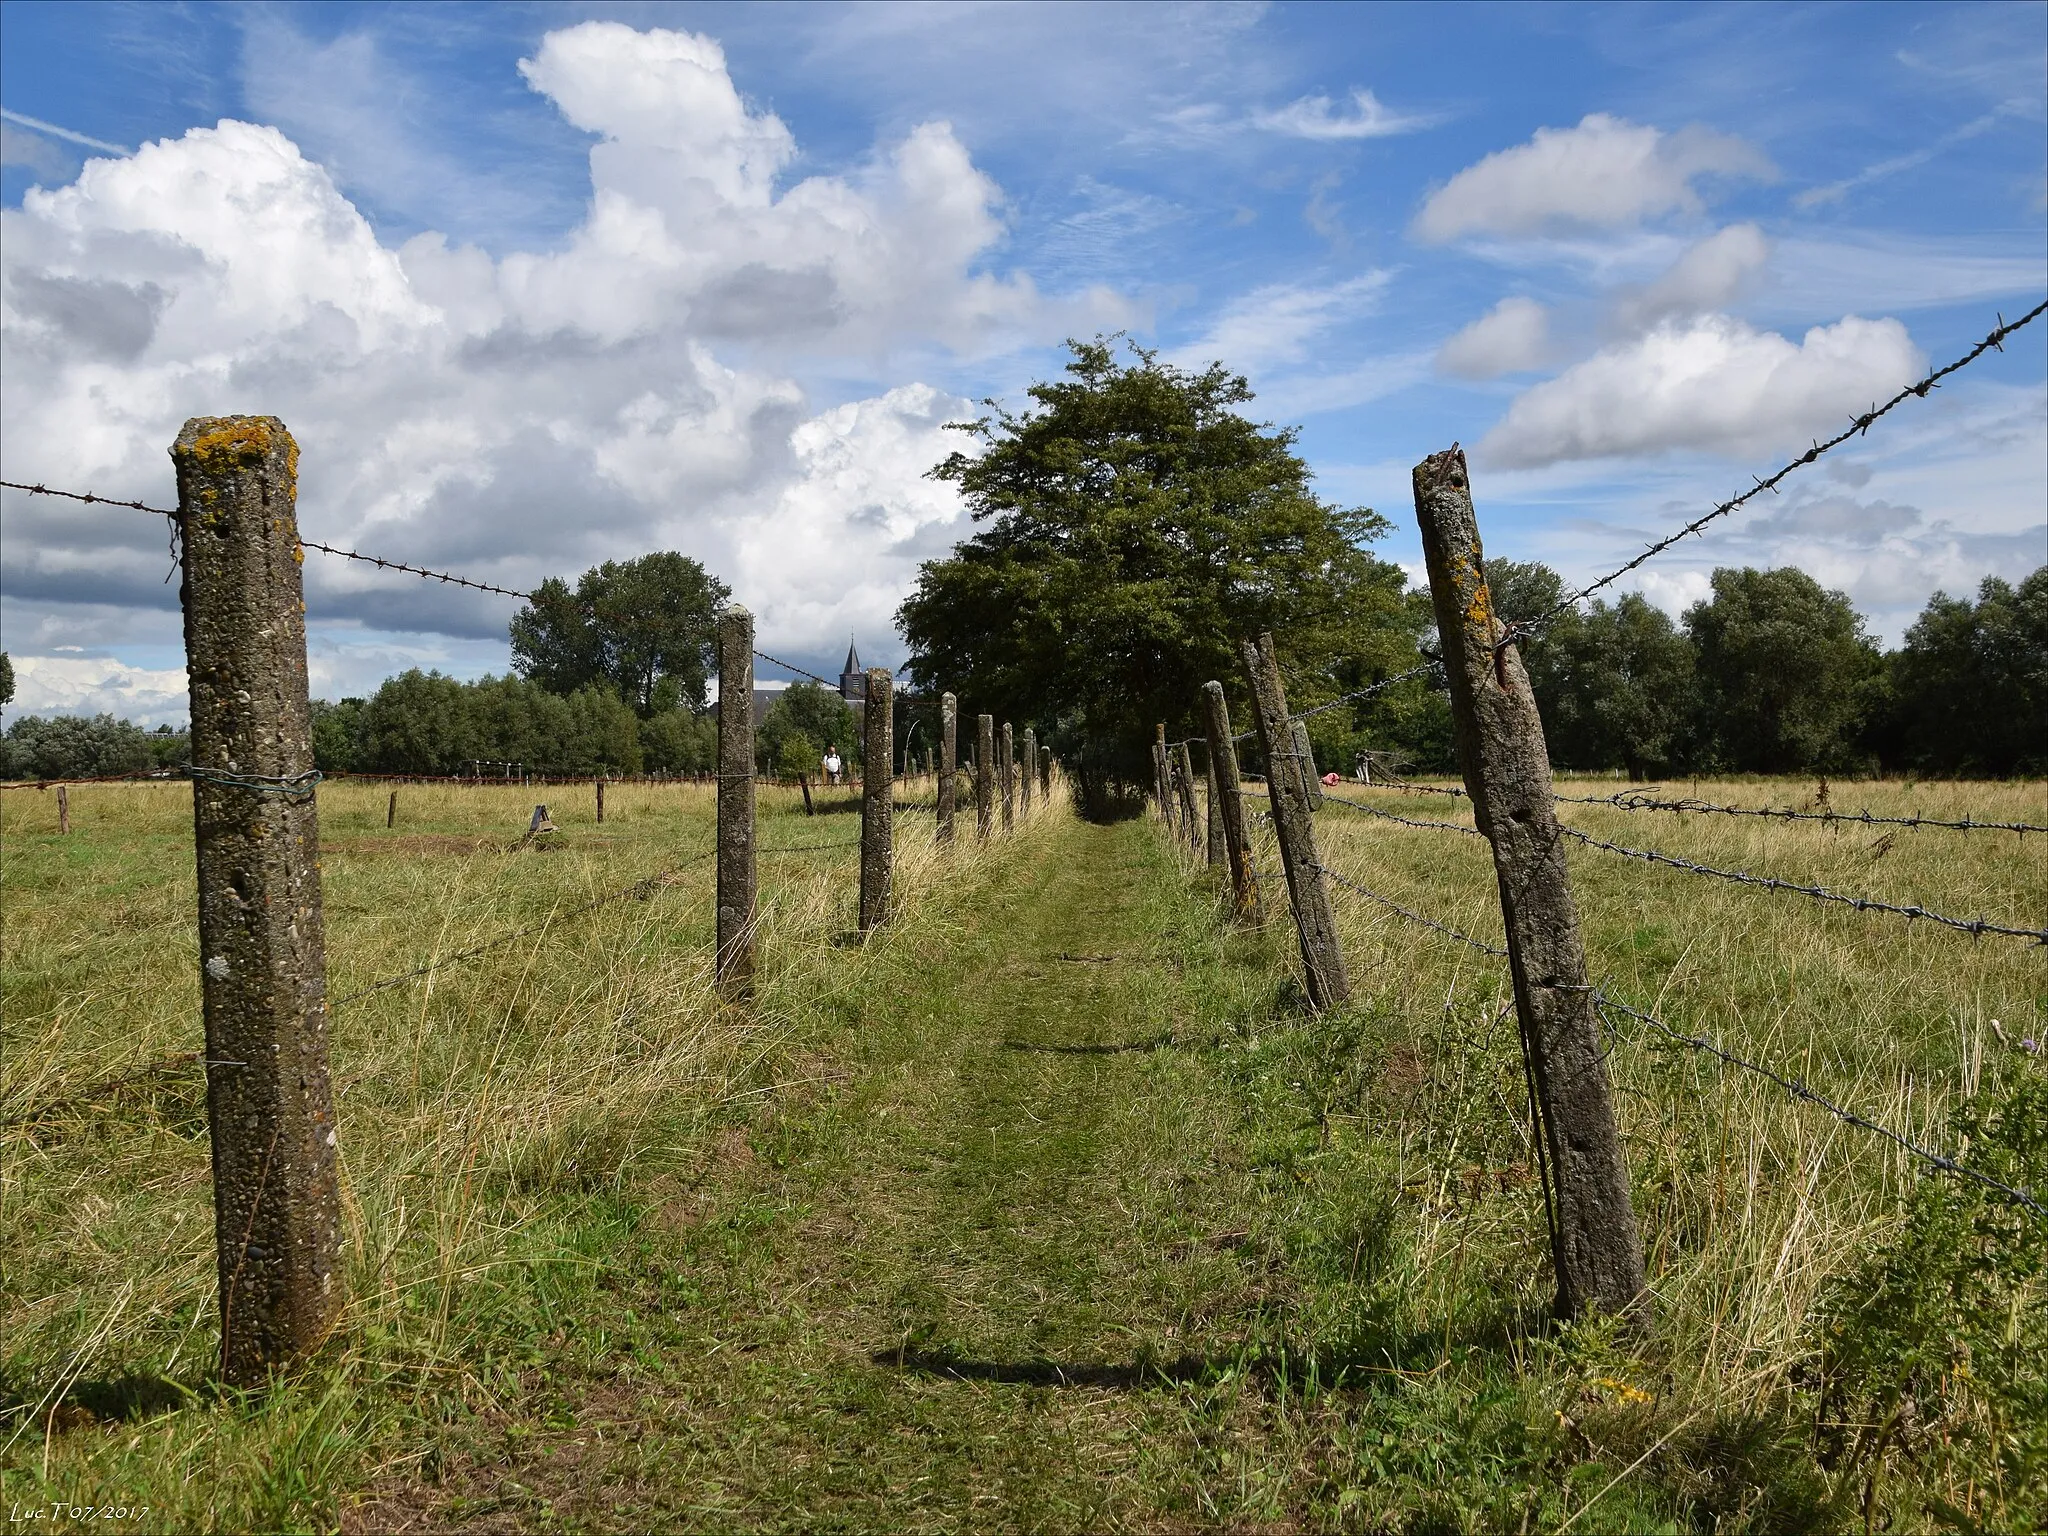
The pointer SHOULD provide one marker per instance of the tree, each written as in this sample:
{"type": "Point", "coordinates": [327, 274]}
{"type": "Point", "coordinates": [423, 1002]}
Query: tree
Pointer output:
{"type": "Point", "coordinates": [643, 628]}
{"type": "Point", "coordinates": [6, 679]}
{"type": "Point", "coordinates": [335, 728]}
{"type": "Point", "coordinates": [679, 741]}
{"type": "Point", "coordinates": [1137, 528]}
{"type": "Point", "coordinates": [1970, 685]}
{"type": "Point", "coordinates": [417, 722]}
{"type": "Point", "coordinates": [1786, 672]}
{"type": "Point", "coordinates": [1621, 686]}
{"type": "Point", "coordinates": [816, 714]}
{"type": "Point", "coordinates": [72, 747]}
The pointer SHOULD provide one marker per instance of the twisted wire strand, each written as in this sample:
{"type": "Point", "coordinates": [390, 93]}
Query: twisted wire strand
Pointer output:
{"type": "Point", "coordinates": [1414, 917]}
{"type": "Point", "coordinates": [1406, 821]}
{"type": "Point", "coordinates": [1977, 927]}
{"type": "Point", "coordinates": [802, 672]}
{"type": "Point", "coordinates": [1857, 426]}
{"type": "Point", "coordinates": [1647, 800]}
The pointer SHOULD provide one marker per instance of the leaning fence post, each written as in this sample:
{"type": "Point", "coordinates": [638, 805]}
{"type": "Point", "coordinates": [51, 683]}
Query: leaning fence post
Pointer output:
{"type": "Point", "coordinates": [1212, 840]}
{"type": "Point", "coordinates": [1305, 757]}
{"type": "Point", "coordinates": [391, 812]}
{"type": "Point", "coordinates": [1595, 1244]}
{"type": "Point", "coordinates": [984, 777]}
{"type": "Point", "coordinates": [1029, 772]}
{"type": "Point", "coordinates": [1229, 792]}
{"type": "Point", "coordinates": [737, 879]}
{"type": "Point", "coordinates": [1329, 984]}
{"type": "Point", "coordinates": [878, 798]}
{"type": "Point", "coordinates": [949, 765]}
{"type": "Point", "coordinates": [1006, 774]}
{"type": "Point", "coordinates": [1184, 774]}
{"type": "Point", "coordinates": [263, 976]}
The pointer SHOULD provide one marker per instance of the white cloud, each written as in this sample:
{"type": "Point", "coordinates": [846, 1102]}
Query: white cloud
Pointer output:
{"type": "Point", "coordinates": [1713, 383]}
{"type": "Point", "coordinates": [637, 387]}
{"type": "Point", "coordinates": [1276, 323]}
{"type": "Point", "coordinates": [1709, 276]}
{"type": "Point", "coordinates": [1317, 117]}
{"type": "Point", "coordinates": [90, 685]}
{"type": "Point", "coordinates": [1606, 173]}
{"type": "Point", "coordinates": [1512, 336]}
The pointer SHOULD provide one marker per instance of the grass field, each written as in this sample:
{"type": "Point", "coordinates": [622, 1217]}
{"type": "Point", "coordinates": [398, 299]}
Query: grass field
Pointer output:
{"type": "Point", "coordinates": [1048, 1210]}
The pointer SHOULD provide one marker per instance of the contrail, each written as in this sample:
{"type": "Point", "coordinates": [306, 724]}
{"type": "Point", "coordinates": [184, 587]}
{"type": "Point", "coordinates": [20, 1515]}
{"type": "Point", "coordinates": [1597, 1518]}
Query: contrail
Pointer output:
{"type": "Point", "coordinates": [61, 133]}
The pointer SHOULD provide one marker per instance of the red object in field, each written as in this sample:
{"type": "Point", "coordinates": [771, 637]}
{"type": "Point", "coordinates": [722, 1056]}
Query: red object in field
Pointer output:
{"type": "Point", "coordinates": [1332, 780]}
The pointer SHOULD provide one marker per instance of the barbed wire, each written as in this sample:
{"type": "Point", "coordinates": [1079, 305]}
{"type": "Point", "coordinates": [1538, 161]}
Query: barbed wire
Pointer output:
{"type": "Point", "coordinates": [417, 570]}
{"type": "Point", "coordinates": [134, 775]}
{"type": "Point", "coordinates": [1798, 1089]}
{"type": "Point", "coordinates": [1406, 821]}
{"type": "Point", "coordinates": [1646, 800]}
{"type": "Point", "coordinates": [790, 666]}
{"type": "Point", "coordinates": [1977, 927]}
{"type": "Point", "coordinates": [1413, 917]}
{"type": "Point", "coordinates": [1857, 426]}
{"type": "Point", "coordinates": [85, 496]}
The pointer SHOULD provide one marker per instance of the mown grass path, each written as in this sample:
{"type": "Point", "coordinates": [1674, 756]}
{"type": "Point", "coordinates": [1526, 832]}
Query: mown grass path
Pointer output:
{"type": "Point", "coordinates": [964, 1282]}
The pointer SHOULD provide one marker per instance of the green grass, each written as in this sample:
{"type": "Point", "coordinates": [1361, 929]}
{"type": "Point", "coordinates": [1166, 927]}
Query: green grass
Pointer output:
{"type": "Point", "coordinates": [1050, 1209]}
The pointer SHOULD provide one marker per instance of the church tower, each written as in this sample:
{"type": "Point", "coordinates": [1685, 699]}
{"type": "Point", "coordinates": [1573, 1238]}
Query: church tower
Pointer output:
{"type": "Point", "coordinates": [853, 682]}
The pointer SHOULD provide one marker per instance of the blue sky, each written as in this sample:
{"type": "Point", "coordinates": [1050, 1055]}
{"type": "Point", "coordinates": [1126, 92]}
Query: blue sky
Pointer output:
{"type": "Point", "coordinates": [540, 285]}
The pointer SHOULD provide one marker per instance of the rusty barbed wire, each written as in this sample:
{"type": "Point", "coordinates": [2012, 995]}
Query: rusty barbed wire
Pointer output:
{"type": "Point", "coordinates": [1406, 821]}
{"type": "Point", "coordinates": [415, 570]}
{"type": "Point", "coordinates": [1646, 800]}
{"type": "Point", "coordinates": [85, 496]}
{"type": "Point", "coordinates": [1976, 927]}
{"type": "Point", "coordinates": [1798, 1089]}
{"type": "Point", "coordinates": [1857, 426]}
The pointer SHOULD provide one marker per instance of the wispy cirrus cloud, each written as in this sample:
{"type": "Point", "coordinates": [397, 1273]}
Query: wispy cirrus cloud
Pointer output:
{"type": "Point", "coordinates": [1318, 117]}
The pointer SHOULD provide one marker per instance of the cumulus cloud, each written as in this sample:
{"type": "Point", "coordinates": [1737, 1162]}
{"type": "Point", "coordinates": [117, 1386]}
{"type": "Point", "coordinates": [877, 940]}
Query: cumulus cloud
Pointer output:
{"type": "Point", "coordinates": [1512, 336]}
{"type": "Point", "coordinates": [1712, 383]}
{"type": "Point", "coordinates": [640, 385]}
{"type": "Point", "coordinates": [1606, 173]}
{"type": "Point", "coordinates": [1709, 276]}
{"type": "Point", "coordinates": [70, 685]}
{"type": "Point", "coordinates": [1317, 117]}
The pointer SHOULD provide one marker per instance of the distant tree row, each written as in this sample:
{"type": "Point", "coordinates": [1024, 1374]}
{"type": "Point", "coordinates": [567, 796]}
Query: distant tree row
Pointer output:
{"type": "Point", "coordinates": [84, 747]}
{"type": "Point", "coordinates": [1770, 674]}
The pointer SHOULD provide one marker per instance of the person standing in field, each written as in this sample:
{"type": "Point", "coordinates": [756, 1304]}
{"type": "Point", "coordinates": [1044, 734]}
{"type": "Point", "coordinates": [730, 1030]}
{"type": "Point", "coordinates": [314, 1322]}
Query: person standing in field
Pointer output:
{"type": "Point", "coordinates": [833, 764]}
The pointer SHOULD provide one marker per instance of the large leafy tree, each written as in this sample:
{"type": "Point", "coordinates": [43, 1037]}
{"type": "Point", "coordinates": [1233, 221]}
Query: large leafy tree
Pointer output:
{"type": "Point", "coordinates": [1786, 672]}
{"type": "Point", "coordinates": [1137, 526]}
{"type": "Point", "coordinates": [643, 628]}
{"type": "Point", "coordinates": [1970, 685]}
{"type": "Point", "coordinates": [816, 716]}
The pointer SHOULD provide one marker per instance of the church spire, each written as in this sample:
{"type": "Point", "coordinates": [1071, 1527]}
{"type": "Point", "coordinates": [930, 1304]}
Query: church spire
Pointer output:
{"type": "Point", "coordinates": [853, 682]}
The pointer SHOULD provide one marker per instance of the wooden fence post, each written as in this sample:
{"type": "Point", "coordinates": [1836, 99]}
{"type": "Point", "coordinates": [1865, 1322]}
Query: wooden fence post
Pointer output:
{"type": "Point", "coordinates": [391, 812]}
{"type": "Point", "coordinates": [1184, 775]}
{"type": "Point", "coordinates": [1045, 775]}
{"type": "Point", "coordinates": [878, 798]}
{"type": "Point", "coordinates": [1027, 779]}
{"type": "Point", "coordinates": [263, 972]}
{"type": "Point", "coordinates": [1006, 772]}
{"type": "Point", "coordinates": [1229, 792]}
{"type": "Point", "coordinates": [984, 777]}
{"type": "Point", "coordinates": [1161, 787]}
{"type": "Point", "coordinates": [949, 762]}
{"type": "Point", "coordinates": [600, 799]}
{"type": "Point", "coordinates": [737, 875]}
{"type": "Point", "coordinates": [63, 812]}
{"type": "Point", "coordinates": [1305, 758]}
{"type": "Point", "coordinates": [1596, 1246]}
{"type": "Point", "coordinates": [1213, 832]}
{"type": "Point", "coordinates": [1322, 958]}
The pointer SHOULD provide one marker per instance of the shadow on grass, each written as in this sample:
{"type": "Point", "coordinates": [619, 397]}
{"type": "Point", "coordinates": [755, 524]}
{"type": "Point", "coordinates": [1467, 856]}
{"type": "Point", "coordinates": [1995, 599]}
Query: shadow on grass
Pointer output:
{"type": "Point", "coordinates": [1157, 1042]}
{"type": "Point", "coordinates": [128, 1396]}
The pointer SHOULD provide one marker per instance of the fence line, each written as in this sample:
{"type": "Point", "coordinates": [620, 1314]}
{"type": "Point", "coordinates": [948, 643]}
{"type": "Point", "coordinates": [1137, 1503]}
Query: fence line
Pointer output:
{"type": "Point", "coordinates": [1796, 1087]}
{"type": "Point", "coordinates": [1645, 800]}
{"type": "Point", "coordinates": [1976, 927]}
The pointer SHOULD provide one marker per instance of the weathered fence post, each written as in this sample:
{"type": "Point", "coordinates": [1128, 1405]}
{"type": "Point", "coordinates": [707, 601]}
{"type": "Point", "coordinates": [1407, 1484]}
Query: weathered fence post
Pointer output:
{"type": "Point", "coordinates": [1006, 768]}
{"type": "Point", "coordinates": [1045, 775]}
{"type": "Point", "coordinates": [1184, 774]}
{"type": "Point", "coordinates": [1329, 983]}
{"type": "Point", "coordinates": [63, 812]}
{"type": "Point", "coordinates": [984, 777]}
{"type": "Point", "coordinates": [600, 799]}
{"type": "Point", "coordinates": [391, 812]}
{"type": "Point", "coordinates": [263, 973]}
{"type": "Point", "coordinates": [1028, 778]}
{"type": "Point", "coordinates": [803, 782]}
{"type": "Point", "coordinates": [737, 876]}
{"type": "Point", "coordinates": [949, 764]}
{"type": "Point", "coordinates": [1305, 757]}
{"type": "Point", "coordinates": [1595, 1243]}
{"type": "Point", "coordinates": [1229, 792]}
{"type": "Point", "coordinates": [1161, 788]}
{"type": "Point", "coordinates": [878, 798]}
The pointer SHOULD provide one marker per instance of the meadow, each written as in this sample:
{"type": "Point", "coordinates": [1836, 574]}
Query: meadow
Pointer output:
{"type": "Point", "coordinates": [1050, 1208]}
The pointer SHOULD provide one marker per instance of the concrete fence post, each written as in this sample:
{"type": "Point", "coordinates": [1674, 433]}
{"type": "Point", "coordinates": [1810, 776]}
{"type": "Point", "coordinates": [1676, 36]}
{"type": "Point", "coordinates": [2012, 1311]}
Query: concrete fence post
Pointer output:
{"type": "Point", "coordinates": [949, 765]}
{"type": "Point", "coordinates": [1595, 1243]}
{"type": "Point", "coordinates": [878, 798]}
{"type": "Point", "coordinates": [1028, 779]}
{"type": "Point", "coordinates": [1229, 803]}
{"type": "Point", "coordinates": [738, 877]}
{"type": "Point", "coordinates": [984, 777]}
{"type": "Point", "coordinates": [263, 972]}
{"type": "Point", "coordinates": [1006, 768]}
{"type": "Point", "coordinates": [1329, 982]}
